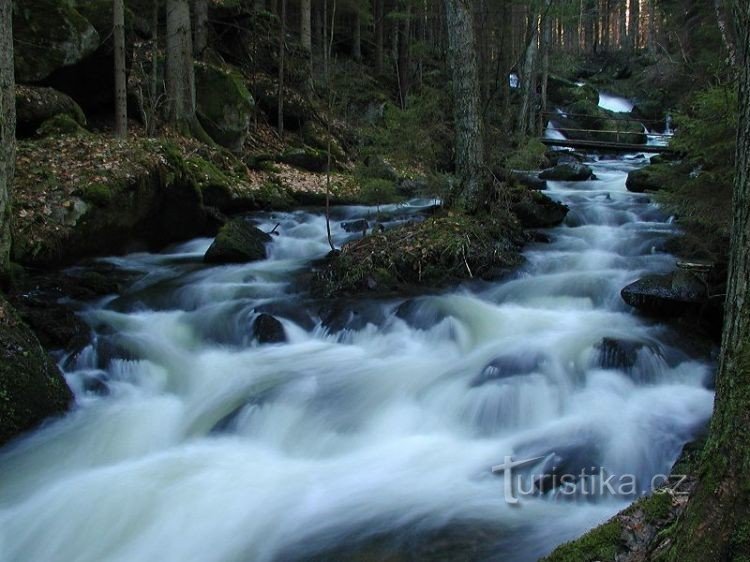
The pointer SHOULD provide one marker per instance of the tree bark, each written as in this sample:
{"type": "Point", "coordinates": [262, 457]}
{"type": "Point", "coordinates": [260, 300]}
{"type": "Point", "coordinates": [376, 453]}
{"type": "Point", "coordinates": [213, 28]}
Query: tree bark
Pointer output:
{"type": "Point", "coordinates": [7, 129]}
{"type": "Point", "coordinates": [714, 526]}
{"type": "Point", "coordinates": [466, 102]}
{"type": "Point", "coordinates": [403, 58]}
{"type": "Point", "coordinates": [635, 24]}
{"type": "Point", "coordinates": [357, 35]}
{"type": "Point", "coordinates": [121, 95]}
{"type": "Point", "coordinates": [282, 59]}
{"type": "Point", "coordinates": [180, 75]}
{"type": "Point", "coordinates": [527, 75]}
{"type": "Point", "coordinates": [726, 36]}
{"type": "Point", "coordinates": [305, 24]}
{"type": "Point", "coordinates": [379, 35]}
{"type": "Point", "coordinates": [200, 9]}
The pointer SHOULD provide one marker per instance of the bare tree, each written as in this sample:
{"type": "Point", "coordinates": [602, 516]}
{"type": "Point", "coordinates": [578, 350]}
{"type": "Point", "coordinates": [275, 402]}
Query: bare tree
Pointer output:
{"type": "Point", "coordinates": [7, 129]}
{"type": "Point", "coordinates": [121, 94]}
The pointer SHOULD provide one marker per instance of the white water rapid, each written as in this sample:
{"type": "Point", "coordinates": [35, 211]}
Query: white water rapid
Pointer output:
{"type": "Point", "coordinates": [374, 436]}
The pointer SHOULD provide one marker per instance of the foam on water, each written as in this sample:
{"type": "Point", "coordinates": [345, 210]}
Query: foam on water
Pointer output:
{"type": "Point", "coordinates": [209, 447]}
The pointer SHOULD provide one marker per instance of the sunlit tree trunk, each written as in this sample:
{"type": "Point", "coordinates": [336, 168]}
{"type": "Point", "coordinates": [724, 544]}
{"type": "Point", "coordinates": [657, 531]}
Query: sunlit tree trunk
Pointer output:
{"type": "Point", "coordinates": [121, 95]}
{"type": "Point", "coordinates": [527, 75]}
{"type": "Point", "coordinates": [7, 129]}
{"type": "Point", "coordinates": [635, 24]}
{"type": "Point", "coordinates": [715, 525]}
{"type": "Point", "coordinates": [468, 125]}
{"type": "Point", "coordinates": [305, 24]}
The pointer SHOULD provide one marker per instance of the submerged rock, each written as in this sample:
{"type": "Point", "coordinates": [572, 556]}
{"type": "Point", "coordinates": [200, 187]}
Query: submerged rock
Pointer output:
{"type": "Point", "coordinates": [238, 241]}
{"type": "Point", "coordinates": [267, 329]}
{"type": "Point", "coordinates": [617, 353]}
{"type": "Point", "coordinates": [359, 225]}
{"type": "Point", "coordinates": [666, 295]}
{"type": "Point", "coordinates": [568, 171]}
{"type": "Point", "coordinates": [31, 386]}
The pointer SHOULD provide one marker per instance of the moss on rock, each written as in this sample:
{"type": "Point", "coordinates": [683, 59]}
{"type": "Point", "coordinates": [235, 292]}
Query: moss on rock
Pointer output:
{"type": "Point", "coordinates": [238, 241]}
{"type": "Point", "coordinates": [49, 34]}
{"type": "Point", "coordinates": [60, 125]}
{"type": "Point", "coordinates": [431, 253]}
{"type": "Point", "coordinates": [225, 106]}
{"type": "Point", "coordinates": [31, 386]}
{"type": "Point", "coordinates": [36, 105]}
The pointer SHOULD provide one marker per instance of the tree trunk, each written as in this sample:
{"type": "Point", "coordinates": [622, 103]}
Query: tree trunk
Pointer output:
{"type": "Point", "coordinates": [652, 26]}
{"type": "Point", "coordinates": [726, 36]}
{"type": "Point", "coordinates": [527, 76]}
{"type": "Point", "coordinates": [714, 527]}
{"type": "Point", "coordinates": [305, 24]}
{"type": "Point", "coordinates": [180, 75]}
{"type": "Point", "coordinates": [357, 35]}
{"type": "Point", "coordinates": [121, 94]}
{"type": "Point", "coordinates": [546, 40]}
{"type": "Point", "coordinates": [379, 35]}
{"type": "Point", "coordinates": [469, 142]}
{"type": "Point", "coordinates": [635, 24]}
{"type": "Point", "coordinates": [201, 27]}
{"type": "Point", "coordinates": [7, 129]}
{"type": "Point", "coordinates": [403, 57]}
{"type": "Point", "coordinates": [282, 59]}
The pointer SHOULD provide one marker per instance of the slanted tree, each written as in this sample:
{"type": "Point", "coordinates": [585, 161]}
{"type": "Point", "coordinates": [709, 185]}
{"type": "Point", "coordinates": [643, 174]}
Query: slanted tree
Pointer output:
{"type": "Point", "coordinates": [466, 102]}
{"type": "Point", "coordinates": [7, 129]}
{"type": "Point", "coordinates": [121, 94]}
{"type": "Point", "coordinates": [716, 524]}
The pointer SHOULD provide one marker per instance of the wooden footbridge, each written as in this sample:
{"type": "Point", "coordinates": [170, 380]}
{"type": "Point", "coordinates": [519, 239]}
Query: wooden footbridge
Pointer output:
{"type": "Point", "coordinates": [619, 139]}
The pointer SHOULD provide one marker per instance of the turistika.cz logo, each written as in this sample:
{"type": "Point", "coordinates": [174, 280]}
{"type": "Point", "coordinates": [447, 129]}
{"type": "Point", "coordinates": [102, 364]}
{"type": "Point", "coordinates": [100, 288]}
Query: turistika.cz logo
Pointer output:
{"type": "Point", "coordinates": [589, 483]}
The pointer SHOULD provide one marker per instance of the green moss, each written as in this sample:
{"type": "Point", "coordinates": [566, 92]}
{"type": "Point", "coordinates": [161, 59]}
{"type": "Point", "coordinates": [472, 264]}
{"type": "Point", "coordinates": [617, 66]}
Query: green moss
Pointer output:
{"type": "Point", "coordinates": [656, 507]}
{"type": "Point", "coordinates": [224, 105]}
{"type": "Point", "coordinates": [600, 544]}
{"type": "Point", "coordinates": [98, 194]}
{"type": "Point", "coordinates": [62, 124]}
{"type": "Point", "coordinates": [49, 34]}
{"type": "Point", "coordinates": [440, 250]}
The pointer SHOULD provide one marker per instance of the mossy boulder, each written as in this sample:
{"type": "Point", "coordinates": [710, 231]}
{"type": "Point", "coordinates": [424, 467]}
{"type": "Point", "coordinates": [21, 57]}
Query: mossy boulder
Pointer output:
{"type": "Point", "coordinates": [31, 386]}
{"type": "Point", "coordinates": [427, 254]}
{"type": "Point", "coordinates": [36, 105]}
{"type": "Point", "coordinates": [306, 158]}
{"type": "Point", "coordinates": [565, 92]}
{"type": "Point", "coordinates": [224, 105]}
{"type": "Point", "coordinates": [60, 125]}
{"type": "Point", "coordinates": [49, 35]}
{"type": "Point", "coordinates": [238, 241]}
{"type": "Point", "coordinates": [650, 178]}
{"type": "Point", "coordinates": [567, 171]}
{"type": "Point", "coordinates": [536, 210]}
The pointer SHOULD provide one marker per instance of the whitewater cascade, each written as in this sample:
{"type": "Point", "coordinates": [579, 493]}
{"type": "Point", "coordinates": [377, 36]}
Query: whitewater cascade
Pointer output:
{"type": "Point", "coordinates": [374, 431]}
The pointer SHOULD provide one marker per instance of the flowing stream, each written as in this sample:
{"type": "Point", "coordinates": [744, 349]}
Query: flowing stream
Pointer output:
{"type": "Point", "coordinates": [368, 436]}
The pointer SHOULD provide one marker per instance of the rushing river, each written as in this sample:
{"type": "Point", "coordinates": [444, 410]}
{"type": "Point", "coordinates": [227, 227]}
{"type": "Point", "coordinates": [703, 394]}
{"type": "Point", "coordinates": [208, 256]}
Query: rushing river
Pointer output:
{"type": "Point", "coordinates": [371, 435]}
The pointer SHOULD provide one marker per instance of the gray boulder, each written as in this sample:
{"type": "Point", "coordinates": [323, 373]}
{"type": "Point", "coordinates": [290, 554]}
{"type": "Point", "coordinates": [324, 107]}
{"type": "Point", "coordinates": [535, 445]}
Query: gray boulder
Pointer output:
{"type": "Point", "coordinates": [238, 241]}
{"type": "Point", "coordinates": [568, 171]}
{"type": "Point", "coordinates": [668, 295]}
